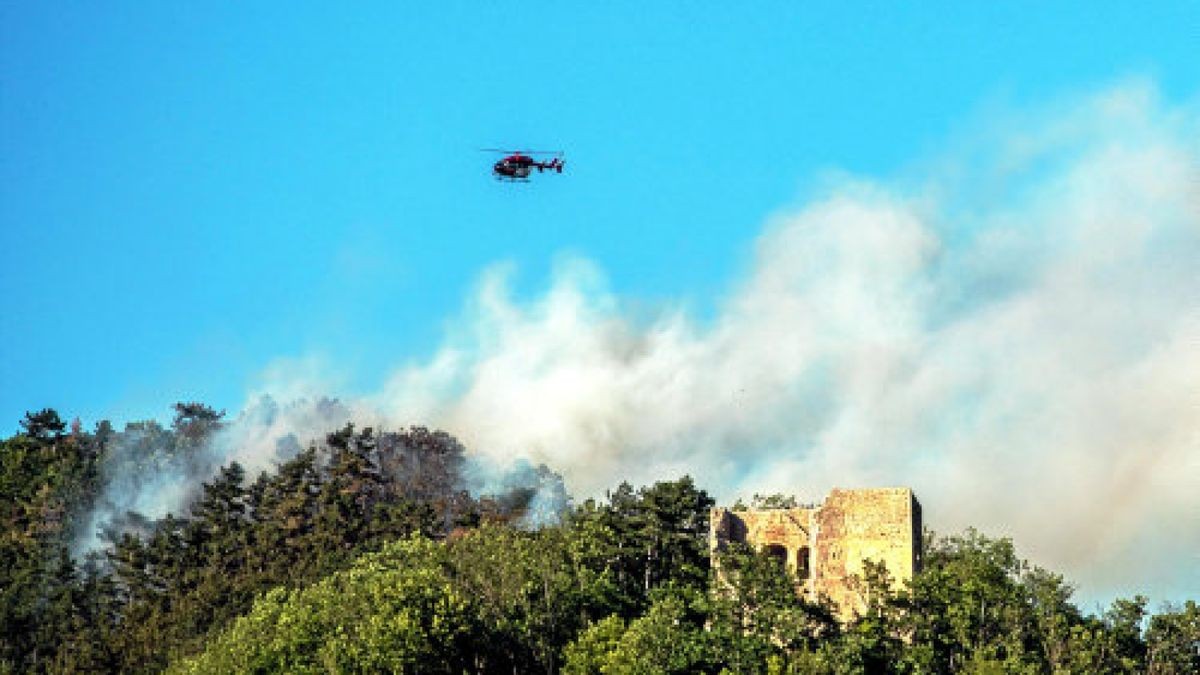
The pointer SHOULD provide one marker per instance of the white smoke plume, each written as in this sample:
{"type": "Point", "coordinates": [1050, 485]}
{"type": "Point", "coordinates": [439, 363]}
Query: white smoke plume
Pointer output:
{"type": "Point", "coordinates": [145, 479]}
{"type": "Point", "coordinates": [1013, 330]}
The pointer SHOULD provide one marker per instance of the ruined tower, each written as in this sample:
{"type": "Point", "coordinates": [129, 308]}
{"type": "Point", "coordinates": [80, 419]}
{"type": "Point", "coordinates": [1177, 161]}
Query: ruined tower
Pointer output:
{"type": "Point", "coordinates": [825, 545]}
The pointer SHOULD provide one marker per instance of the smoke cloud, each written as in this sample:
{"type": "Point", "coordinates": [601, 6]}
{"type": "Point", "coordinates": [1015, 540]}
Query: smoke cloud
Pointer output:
{"type": "Point", "coordinates": [1012, 329]}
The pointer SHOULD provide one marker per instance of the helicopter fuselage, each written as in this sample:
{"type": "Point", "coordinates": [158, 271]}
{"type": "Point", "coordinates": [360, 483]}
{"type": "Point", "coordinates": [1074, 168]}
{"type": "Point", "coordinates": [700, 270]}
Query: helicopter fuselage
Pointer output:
{"type": "Point", "coordinates": [518, 166]}
{"type": "Point", "coordinates": [513, 168]}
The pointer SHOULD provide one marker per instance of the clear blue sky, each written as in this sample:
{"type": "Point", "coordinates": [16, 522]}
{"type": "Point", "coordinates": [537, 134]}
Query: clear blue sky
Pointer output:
{"type": "Point", "coordinates": [188, 191]}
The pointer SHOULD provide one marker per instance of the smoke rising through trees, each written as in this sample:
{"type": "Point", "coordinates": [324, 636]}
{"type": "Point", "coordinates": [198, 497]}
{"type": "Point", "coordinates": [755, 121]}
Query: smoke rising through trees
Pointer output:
{"type": "Point", "coordinates": [1010, 328]}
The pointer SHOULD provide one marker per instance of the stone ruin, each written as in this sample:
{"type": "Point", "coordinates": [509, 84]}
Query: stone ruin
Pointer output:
{"type": "Point", "coordinates": [825, 545]}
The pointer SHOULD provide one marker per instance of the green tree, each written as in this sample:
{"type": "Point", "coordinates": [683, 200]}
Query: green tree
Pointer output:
{"type": "Point", "coordinates": [195, 423]}
{"type": "Point", "coordinates": [668, 638]}
{"type": "Point", "coordinates": [968, 605]}
{"type": "Point", "coordinates": [393, 611]}
{"type": "Point", "coordinates": [1173, 640]}
{"type": "Point", "coordinates": [654, 536]}
{"type": "Point", "coordinates": [757, 613]}
{"type": "Point", "coordinates": [589, 653]}
{"type": "Point", "coordinates": [44, 425]}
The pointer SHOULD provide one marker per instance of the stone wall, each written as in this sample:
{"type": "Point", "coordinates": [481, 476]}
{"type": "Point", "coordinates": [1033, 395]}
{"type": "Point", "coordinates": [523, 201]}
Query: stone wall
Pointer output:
{"type": "Point", "coordinates": [826, 545]}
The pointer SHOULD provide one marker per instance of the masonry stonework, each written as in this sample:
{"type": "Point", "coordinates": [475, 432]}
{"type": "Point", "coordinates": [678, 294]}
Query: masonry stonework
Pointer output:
{"type": "Point", "coordinates": [825, 545]}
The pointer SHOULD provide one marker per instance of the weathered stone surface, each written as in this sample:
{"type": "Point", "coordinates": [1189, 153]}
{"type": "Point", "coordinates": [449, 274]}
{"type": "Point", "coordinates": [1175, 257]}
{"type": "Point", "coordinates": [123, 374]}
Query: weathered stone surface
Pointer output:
{"type": "Point", "coordinates": [826, 545]}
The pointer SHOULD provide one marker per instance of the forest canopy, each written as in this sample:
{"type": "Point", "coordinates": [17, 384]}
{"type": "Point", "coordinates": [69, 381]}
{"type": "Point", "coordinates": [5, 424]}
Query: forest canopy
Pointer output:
{"type": "Point", "coordinates": [365, 551]}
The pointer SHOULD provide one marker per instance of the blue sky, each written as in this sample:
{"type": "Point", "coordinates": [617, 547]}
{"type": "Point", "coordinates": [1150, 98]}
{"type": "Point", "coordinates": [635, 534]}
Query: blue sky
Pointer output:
{"type": "Point", "coordinates": [187, 192]}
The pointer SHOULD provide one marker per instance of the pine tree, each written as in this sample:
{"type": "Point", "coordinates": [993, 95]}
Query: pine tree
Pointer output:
{"type": "Point", "coordinates": [44, 425]}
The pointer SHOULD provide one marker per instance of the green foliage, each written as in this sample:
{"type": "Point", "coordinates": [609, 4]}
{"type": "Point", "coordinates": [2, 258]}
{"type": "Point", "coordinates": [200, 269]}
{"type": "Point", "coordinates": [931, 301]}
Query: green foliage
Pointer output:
{"type": "Point", "coordinates": [772, 500]}
{"type": "Point", "coordinates": [48, 606]}
{"type": "Point", "coordinates": [363, 553]}
{"type": "Point", "coordinates": [43, 425]}
{"type": "Point", "coordinates": [969, 604]}
{"type": "Point", "coordinates": [393, 611]}
{"type": "Point", "coordinates": [756, 612]}
{"type": "Point", "coordinates": [589, 653]}
{"type": "Point", "coordinates": [647, 538]}
{"type": "Point", "coordinates": [526, 594]}
{"type": "Point", "coordinates": [162, 587]}
{"type": "Point", "coordinates": [312, 517]}
{"type": "Point", "coordinates": [668, 638]}
{"type": "Point", "coordinates": [1173, 640]}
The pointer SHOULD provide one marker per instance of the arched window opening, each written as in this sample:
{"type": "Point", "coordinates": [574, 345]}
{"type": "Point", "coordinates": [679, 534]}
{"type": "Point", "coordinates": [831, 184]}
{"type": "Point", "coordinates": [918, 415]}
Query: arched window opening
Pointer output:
{"type": "Point", "coordinates": [776, 552]}
{"type": "Point", "coordinates": [803, 564]}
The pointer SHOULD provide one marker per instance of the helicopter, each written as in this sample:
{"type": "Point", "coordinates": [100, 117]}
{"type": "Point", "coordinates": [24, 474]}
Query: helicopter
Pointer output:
{"type": "Point", "coordinates": [516, 165]}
